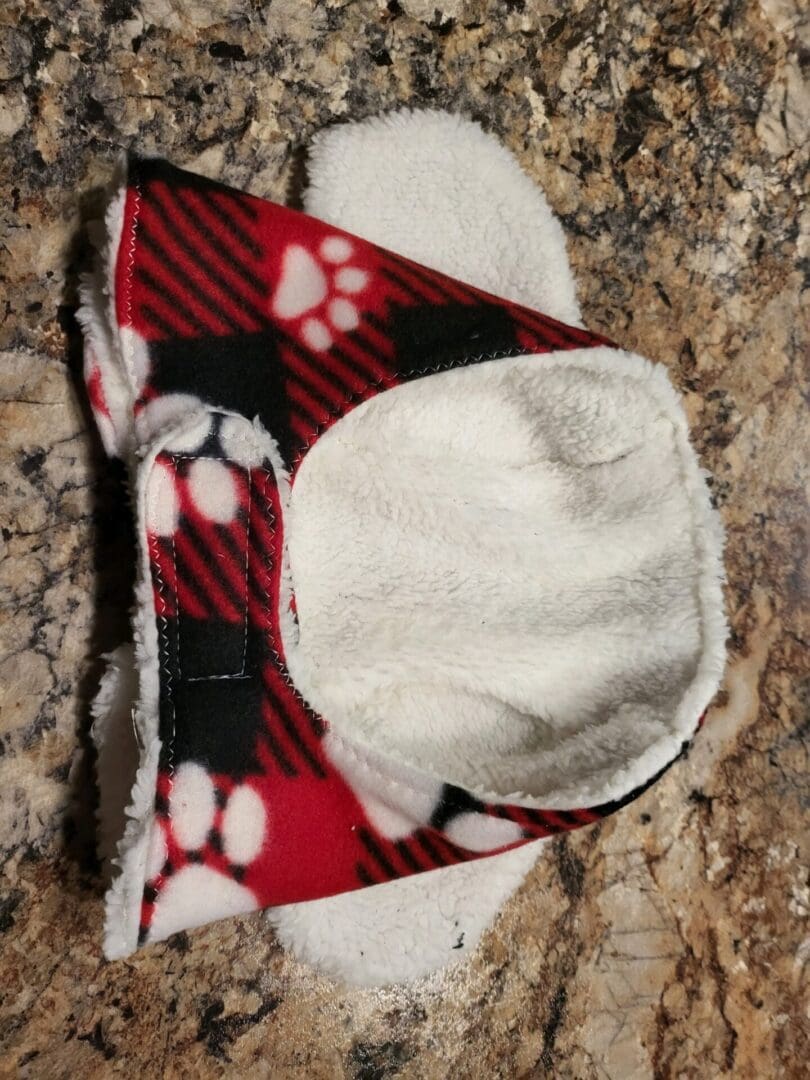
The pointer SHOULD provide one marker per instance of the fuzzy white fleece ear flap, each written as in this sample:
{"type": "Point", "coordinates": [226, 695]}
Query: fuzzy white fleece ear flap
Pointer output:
{"type": "Point", "coordinates": [438, 189]}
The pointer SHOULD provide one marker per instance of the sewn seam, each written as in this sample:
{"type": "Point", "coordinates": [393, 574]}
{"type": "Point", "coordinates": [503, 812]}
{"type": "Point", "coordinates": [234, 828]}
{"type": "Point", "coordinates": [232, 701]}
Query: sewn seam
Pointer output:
{"type": "Point", "coordinates": [380, 384]}
{"type": "Point", "coordinates": [164, 649]}
{"type": "Point", "coordinates": [127, 354]}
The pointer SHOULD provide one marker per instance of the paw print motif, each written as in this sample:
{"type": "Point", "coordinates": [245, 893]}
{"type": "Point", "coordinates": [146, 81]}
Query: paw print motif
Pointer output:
{"type": "Point", "coordinates": [204, 840]}
{"type": "Point", "coordinates": [399, 810]}
{"type": "Point", "coordinates": [315, 291]}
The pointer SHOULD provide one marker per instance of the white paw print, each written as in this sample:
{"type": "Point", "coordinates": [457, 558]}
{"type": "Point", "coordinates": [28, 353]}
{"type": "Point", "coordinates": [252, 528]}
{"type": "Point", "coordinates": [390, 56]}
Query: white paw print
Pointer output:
{"type": "Point", "coordinates": [204, 825]}
{"type": "Point", "coordinates": [316, 290]}
{"type": "Point", "coordinates": [212, 488]}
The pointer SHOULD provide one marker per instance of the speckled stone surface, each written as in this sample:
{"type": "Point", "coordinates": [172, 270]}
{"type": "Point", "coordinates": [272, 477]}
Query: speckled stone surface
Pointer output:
{"type": "Point", "coordinates": [671, 138]}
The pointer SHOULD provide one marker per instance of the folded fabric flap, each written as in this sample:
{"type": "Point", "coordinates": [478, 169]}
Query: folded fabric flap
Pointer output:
{"type": "Point", "coordinates": [424, 574]}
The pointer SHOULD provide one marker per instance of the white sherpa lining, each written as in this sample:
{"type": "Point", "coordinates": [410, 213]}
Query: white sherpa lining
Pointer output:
{"type": "Point", "coordinates": [124, 895]}
{"type": "Point", "coordinates": [480, 218]}
{"type": "Point", "coordinates": [503, 577]}
{"type": "Point", "coordinates": [115, 740]}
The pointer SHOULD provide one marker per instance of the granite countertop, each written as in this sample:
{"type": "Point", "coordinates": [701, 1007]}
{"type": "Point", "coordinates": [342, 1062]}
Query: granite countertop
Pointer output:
{"type": "Point", "coordinates": [672, 941]}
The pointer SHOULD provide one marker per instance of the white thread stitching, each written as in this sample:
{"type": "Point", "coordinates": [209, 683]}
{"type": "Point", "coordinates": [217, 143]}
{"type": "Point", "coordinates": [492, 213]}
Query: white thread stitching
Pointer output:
{"type": "Point", "coordinates": [164, 635]}
{"type": "Point", "coordinates": [129, 276]}
{"type": "Point", "coordinates": [267, 569]}
{"type": "Point", "coordinates": [176, 596]}
{"type": "Point", "coordinates": [376, 771]}
{"type": "Point", "coordinates": [281, 666]}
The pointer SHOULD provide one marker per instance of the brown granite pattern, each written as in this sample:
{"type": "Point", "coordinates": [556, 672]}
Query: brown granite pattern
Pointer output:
{"type": "Point", "coordinates": [672, 139]}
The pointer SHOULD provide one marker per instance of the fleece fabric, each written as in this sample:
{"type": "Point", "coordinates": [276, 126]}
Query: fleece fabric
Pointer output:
{"type": "Point", "coordinates": [426, 574]}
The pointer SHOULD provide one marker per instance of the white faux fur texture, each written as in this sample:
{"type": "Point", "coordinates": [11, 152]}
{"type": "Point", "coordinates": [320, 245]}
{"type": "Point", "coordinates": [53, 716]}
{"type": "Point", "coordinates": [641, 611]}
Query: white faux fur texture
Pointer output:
{"type": "Point", "coordinates": [434, 187]}
{"type": "Point", "coordinates": [115, 739]}
{"type": "Point", "coordinates": [406, 929]}
{"type": "Point", "coordinates": [127, 742]}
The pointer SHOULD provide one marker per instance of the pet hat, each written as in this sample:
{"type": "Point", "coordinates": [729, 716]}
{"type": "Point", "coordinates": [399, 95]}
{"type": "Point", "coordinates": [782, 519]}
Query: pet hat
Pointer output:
{"type": "Point", "coordinates": [427, 572]}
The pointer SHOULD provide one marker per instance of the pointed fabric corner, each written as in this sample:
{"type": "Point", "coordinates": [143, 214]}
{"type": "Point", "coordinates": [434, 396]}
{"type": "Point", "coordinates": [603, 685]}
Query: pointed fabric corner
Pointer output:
{"type": "Point", "coordinates": [231, 309]}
